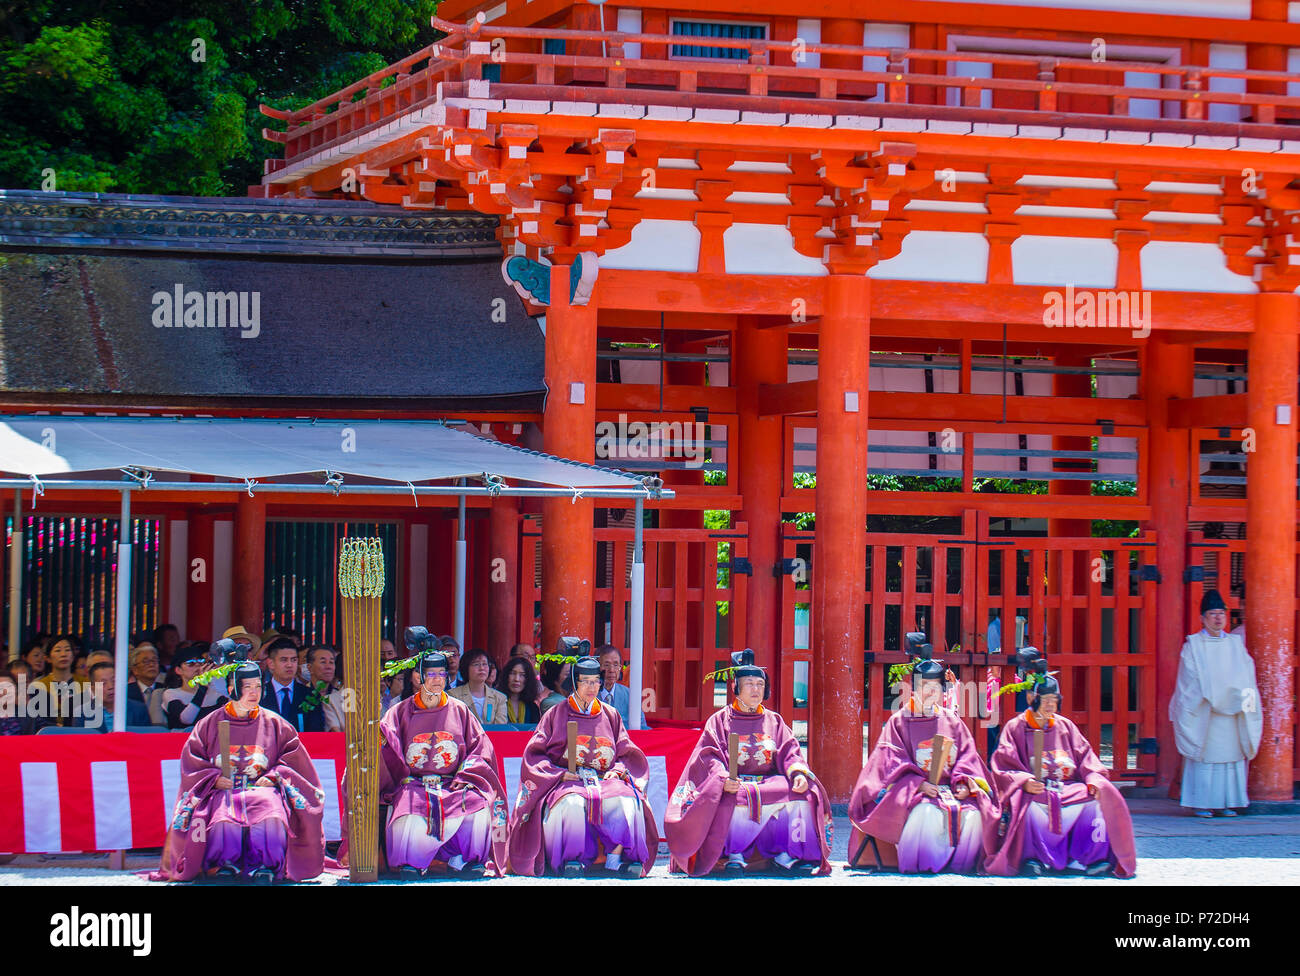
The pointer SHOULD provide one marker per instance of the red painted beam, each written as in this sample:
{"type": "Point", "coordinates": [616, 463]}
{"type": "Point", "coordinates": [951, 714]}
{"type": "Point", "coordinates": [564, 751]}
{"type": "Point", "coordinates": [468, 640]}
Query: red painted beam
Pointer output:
{"type": "Point", "coordinates": [1228, 410]}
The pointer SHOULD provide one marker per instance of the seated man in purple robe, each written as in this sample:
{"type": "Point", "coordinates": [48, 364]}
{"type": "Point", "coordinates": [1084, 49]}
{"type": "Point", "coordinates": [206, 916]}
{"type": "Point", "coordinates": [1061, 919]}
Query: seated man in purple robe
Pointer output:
{"type": "Point", "coordinates": [774, 809]}
{"type": "Point", "coordinates": [440, 781]}
{"type": "Point", "coordinates": [564, 820]}
{"type": "Point", "coordinates": [938, 822]}
{"type": "Point", "coordinates": [255, 812]}
{"type": "Point", "coordinates": [1067, 817]}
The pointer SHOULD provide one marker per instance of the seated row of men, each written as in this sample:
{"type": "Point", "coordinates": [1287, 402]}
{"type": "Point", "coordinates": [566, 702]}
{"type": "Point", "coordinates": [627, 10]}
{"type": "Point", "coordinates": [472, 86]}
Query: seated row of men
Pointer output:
{"type": "Point", "coordinates": [251, 804]}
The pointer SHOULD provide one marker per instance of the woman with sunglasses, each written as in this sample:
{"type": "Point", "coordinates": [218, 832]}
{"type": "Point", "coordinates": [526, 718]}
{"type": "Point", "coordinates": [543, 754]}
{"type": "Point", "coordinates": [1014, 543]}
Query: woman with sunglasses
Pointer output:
{"type": "Point", "coordinates": [186, 703]}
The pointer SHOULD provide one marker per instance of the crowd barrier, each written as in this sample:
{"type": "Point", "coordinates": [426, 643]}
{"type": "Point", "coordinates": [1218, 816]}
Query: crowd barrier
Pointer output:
{"type": "Point", "coordinates": [115, 791]}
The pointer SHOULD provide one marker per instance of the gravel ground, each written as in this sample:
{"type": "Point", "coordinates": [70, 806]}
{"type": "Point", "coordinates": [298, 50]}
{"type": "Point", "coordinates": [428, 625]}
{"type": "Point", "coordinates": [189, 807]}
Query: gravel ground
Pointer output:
{"type": "Point", "coordinates": [1173, 849]}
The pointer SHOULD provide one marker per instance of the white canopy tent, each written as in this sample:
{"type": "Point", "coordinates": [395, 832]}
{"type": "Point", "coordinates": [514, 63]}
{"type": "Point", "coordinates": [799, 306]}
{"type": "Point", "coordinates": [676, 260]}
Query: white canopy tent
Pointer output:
{"type": "Point", "coordinates": [128, 454]}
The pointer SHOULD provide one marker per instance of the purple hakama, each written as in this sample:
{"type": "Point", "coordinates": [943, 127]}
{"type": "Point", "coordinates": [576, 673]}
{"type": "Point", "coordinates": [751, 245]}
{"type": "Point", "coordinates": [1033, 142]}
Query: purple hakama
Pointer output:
{"type": "Point", "coordinates": [1065, 827]}
{"type": "Point", "coordinates": [932, 834]}
{"type": "Point", "coordinates": [556, 820]}
{"type": "Point", "coordinates": [277, 827]}
{"type": "Point", "coordinates": [440, 782]}
{"type": "Point", "coordinates": [765, 817]}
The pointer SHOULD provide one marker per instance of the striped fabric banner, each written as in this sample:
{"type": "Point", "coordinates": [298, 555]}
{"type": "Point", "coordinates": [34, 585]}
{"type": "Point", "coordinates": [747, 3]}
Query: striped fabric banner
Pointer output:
{"type": "Point", "coordinates": [115, 791]}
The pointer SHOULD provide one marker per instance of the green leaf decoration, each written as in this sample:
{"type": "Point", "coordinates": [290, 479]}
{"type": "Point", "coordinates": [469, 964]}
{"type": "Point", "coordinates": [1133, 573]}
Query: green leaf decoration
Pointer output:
{"type": "Point", "coordinates": [396, 667]}
{"type": "Point", "coordinates": [215, 673]}
{"type": "Point", "coordinates": [901, 671]}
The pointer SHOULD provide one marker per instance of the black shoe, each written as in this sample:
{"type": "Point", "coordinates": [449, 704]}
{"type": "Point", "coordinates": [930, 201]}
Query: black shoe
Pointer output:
{"type": "Point", "coordinates": [1034, 868]}
{"type": "Point", "coordinates": [227, 872]}
{"type": "Point", "coordinates": [409, 873]}
{"type": "Point", "coordinates": [795, 869]}
{"type": "Point", "coordinates": [629, 869]}
{"type": "Point", "coordinates": [734, 869]}
{"type": "Point", "coordinates": [263, 876]}
{"type": "Point", "coordinates": [475, 870]}
{"type": "Point", "coordinates": [1097, 869]}
{"type": "Point", "coordinates": [572, 869]}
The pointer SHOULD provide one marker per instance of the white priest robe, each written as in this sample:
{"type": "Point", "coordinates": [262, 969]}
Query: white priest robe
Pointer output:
{"type": "Point", "coordinates": [1217, 719]}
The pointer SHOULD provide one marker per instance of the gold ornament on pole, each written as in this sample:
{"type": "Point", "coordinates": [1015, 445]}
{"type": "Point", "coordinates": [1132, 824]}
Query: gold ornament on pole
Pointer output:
{"type": "Point", "coordinates": [361, 584]}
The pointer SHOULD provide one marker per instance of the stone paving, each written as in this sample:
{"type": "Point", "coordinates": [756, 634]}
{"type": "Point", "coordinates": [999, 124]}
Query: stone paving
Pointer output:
{"type": "Point", "coordinates": [1173, 849]}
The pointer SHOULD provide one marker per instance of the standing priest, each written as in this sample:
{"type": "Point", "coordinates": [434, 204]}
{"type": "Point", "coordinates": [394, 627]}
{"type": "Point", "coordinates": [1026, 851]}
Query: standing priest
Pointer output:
{"type": "Point", "coordinates": [1216, 714]}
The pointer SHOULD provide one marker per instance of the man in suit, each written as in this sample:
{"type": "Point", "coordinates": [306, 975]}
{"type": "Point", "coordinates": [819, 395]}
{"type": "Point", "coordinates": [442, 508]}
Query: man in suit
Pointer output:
{"type": "Point", "coordinates": [452, 650]}
{"type": "Point", "coordinates": [284, 693]}
{"type": "Point", "coordinates": [102, 673]}
{"type": "Point", "coordinates": [611, 691]}
{"type": "Point", "coordinates": [326, 712]}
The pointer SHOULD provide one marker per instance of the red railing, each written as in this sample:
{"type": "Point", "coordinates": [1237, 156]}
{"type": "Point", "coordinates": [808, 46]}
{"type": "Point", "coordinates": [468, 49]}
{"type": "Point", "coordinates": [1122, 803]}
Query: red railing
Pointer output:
{"type": "Point", "coordinates": [912, 84]}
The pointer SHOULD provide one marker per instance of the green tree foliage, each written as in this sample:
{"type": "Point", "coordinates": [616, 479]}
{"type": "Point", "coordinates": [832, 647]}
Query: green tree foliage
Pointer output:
{"type": "Point", "coordinates": [158, 97]}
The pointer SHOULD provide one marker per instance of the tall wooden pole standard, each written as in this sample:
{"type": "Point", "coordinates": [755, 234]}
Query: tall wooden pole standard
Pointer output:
{"type": "Point", "coordinates": [1270, 534]}
{"type": "Point", "coordinates": [761, 359]}
{"type": "Point", "coordinates": [361, 586]}
{"type": "Point", "coordinates": [1167, 374]}
{"type": "Point", "coordinates": [569, 431]}
{"type": "Point", "coordinates": [839, 553]}
{"type": "Point", "coordinates": [122, 630]}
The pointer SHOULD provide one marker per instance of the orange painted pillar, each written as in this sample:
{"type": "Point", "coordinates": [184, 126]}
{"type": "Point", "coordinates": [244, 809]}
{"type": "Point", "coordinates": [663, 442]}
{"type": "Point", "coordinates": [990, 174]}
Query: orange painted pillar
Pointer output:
{"type": "Point", "coordinates": [1167, 370]}
{"type": "Point", "coordinates": [250, 562]}
{"type": "Point", "coordinates": [569, 431]}
{"type": "Point", "coordinates": [761, 358]}
{"type": "Point", "coordinates": [839, 554]}
{"type": "Point", "coordinates": [1270, 531]}
{"type": "Point", "coordinates": [503, 577]}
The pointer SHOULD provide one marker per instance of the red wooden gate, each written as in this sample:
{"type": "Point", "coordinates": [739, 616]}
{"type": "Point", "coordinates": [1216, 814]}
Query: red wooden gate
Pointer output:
{"type": "Point", "coordinates": [1087, 603]}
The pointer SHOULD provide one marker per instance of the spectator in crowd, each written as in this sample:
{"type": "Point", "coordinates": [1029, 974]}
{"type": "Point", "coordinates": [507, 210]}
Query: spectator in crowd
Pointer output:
{"type": "Point", "coordinates": [493, 672]}
{"type": "Point", "coordinates": [283, 693]}
{"type": "Point", "coordinates": [324, 697]}
{"type": "Point", "coordinates": [58, 683]}
{"type": "Point", "coordinates": [166, 638]}
{"type": "Point", "coordinates": [304, 673]}
{"type": "Point", "coordinates": [613, 693]}
{"type": "Point", "coordinates": [393, 690]}
{"type": "Point", "coordinates": [555, 675]}
{"type": "Point", "coordinates": [103, 674]}
{"type": "Point", "coordinates": [79, 666]}
{"type": "Point", "coordinates": [186, 702]}
{"type": "Point", "coordinates": [525, 650]}
{"type": "Point", "coordinates": [452, 650]}
{"type": "Point", "coordinates": [146, 685]}
{"type": "Point", "coordinates": [21, 667]}
{"type": "Point", "coordinates": [11, 723]}
{"type": "Point", "coordinates": [256, 646]}
{"type": "Point", "coordinates": [96, 656]}
{"type": "Point", "coordinates": [387, 650]}
{"type": "Point", "coordinates": [487, 704]}
{"type": "Point", "coordinates": [518, 682]}
{"type": "Point", "coordinates": [34, 655]}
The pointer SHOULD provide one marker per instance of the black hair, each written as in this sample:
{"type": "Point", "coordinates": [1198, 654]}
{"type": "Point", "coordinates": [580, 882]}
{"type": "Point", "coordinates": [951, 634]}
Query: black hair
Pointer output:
{"type": "Point", "coordinates": [279, 643]}
{"type": "Point", "coordinates": [551, 671]}
{"type": "Point", "coordinates": [469, 658]}
{"type": "Point", "coordinates": [532, 687]}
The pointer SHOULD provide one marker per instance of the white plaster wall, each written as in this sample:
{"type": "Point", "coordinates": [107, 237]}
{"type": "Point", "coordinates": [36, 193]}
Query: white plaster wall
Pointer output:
{"type": "Point", "coordinates": [766, 249]}
{"type": "Point", "coordinates": [810, 32]}
{"type": "Point", "coordinates": [176, 561]}
{"type": "Point", "coordinates": [1233, 57]}
{"type": "Point", "coordinates": [1188, 266]}
{"type": "Point", "coordinates": [1082, 262]}
{"type": "Point", "coordinates": [221, 576]}
{"type": "Point", "coordinates": [929, 255]}
{"type": "Point", "coordinates": [629, 22]}
{"type": "Point", "coordinates": [1228, 9]}
{"type": "Point", "coordinates": [658, 245]}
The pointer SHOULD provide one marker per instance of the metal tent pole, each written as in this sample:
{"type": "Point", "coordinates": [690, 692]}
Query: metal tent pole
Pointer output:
{"type": "Point", "coordinates": [636, 677]}
{"type": "Point", "coordinates": [16, 580]}
{"type": "Point", "coordinates": [460, 572]}
{"type": "Point", "coordinates": [121, 667]}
